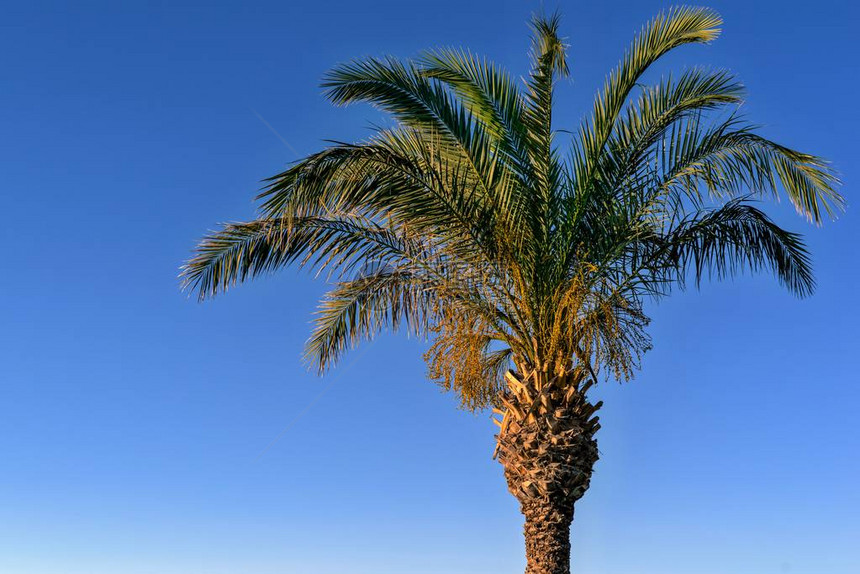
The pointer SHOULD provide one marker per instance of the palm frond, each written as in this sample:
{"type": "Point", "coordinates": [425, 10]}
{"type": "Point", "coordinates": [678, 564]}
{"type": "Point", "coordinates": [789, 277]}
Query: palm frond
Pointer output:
{"type": "Point", "coordinates": [723, 242]}
{"type": "Point", "coordinates": [241, 251]}
{"type": "Point", "coordinates": [358, 309]}
{"type": "Point", "coordinates": [416, 101]}
{"type": "Point", "coordinates": [549, 61]}
{"type": "Point", "coordinates": [731, 159]}
{"type": "Point", "coordinates": [657, 109]}
{"type": "Point", "coordinates": [490, 95]}
{"type": "Point", "coordinates": [669, 30]}
{"type": "Point", "coordinates": [398, 174]}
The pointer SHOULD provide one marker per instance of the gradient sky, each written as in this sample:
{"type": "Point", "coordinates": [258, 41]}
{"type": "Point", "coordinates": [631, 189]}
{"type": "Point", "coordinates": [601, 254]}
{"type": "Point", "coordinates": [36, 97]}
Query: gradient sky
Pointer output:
{"type": "Point", "coordinates": [132, 419]}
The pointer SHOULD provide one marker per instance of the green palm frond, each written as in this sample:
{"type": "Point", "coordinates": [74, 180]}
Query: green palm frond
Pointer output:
{"type": "Point", "coordinates": [658, 109]}
{"type": "Point", "coordinates": [358, 309]}
{"type": "Point", "coordinates": [398, 174]}
{"type": "Point", "coordinates": [241, 251]}
{"type": "Point", "coordinates": [549, 62]}
{"type": "Point", "coordinates": [730, 159]}
{"type": "Point", "coordinates": [484, 89]}
{"type": "Point", "coordinates": [401, 89]}
{"type": "Point", "coordinates": [491, 96]}
{"type": "Point", "coordinates": [722, 242]}
{"type": "Point", "coordinates": [669, 30]}
{"type": "Point", "coordinates": [415, 100]}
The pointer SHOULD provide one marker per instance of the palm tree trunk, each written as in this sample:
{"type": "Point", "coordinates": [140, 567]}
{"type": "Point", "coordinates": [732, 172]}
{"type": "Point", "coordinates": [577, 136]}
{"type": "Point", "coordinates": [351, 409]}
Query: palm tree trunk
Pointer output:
{"type": "Point", "coordinates": [547, 534]}
{"type": "Point", "coordinates": [546, 444]}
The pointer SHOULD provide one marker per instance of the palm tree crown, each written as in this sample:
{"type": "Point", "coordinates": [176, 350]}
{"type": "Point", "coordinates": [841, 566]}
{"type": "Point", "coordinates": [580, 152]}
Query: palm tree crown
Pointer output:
{"type": "Point", "coordinates": [473, 222]}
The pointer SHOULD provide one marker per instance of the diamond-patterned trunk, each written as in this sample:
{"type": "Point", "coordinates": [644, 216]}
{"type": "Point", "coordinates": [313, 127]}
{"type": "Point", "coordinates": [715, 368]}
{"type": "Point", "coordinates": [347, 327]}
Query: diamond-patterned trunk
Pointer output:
{"type": "Point", "coordinates": [546, 444]}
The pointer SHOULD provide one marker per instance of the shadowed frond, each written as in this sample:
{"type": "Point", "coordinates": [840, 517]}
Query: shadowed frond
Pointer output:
{"type": "Point", "coordinates": [723, 242]}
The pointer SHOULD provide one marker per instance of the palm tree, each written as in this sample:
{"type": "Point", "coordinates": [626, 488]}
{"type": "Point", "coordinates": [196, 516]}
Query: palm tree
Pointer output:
{"type": "Point", "coordinates": [525, 256]}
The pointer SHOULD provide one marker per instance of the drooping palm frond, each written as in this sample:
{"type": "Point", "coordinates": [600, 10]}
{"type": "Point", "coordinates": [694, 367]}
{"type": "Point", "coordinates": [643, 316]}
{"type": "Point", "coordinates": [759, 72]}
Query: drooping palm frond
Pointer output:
{"type": "Point", "coordinates": [241, 251]}
{"type": "Point", "coordinates": [357, 309]}
{"type": "Point", "coordinates": [723, 241]}
{"type": "Point", "coordinates": [465, 223]}
{"type": "Point", "coordinates": [731, 159]}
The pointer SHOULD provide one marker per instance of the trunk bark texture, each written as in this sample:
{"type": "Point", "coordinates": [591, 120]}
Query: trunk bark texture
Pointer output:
{"type": "Point", "coordinates": [547, 533]}
{"type": "Point", "coordinates": [546, 444]}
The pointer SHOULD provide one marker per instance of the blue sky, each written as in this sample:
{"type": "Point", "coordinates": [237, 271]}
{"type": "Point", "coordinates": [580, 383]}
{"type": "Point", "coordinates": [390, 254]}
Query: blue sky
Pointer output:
{"type": "Point", "coordinates": [132, 419]}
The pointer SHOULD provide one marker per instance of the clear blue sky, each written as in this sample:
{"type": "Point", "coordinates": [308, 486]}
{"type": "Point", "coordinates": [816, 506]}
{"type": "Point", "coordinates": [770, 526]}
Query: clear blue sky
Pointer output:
{"type": "Point", "coordinates": [131, 417]}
